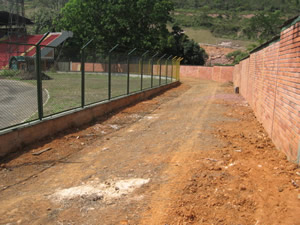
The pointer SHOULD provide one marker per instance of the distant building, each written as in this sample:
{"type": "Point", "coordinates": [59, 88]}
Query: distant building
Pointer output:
{"type": "Point", "coordinates": [16, 44]}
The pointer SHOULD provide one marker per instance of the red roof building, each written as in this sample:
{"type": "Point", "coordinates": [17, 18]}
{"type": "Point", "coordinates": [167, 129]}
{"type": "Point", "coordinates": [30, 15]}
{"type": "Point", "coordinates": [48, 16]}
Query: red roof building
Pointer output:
{"type": "Point", "coordinates": [9, 48]}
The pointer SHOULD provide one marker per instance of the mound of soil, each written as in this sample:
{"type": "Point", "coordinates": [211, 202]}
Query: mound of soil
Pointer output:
{"type": "Point", "coordinates": [32, 76]}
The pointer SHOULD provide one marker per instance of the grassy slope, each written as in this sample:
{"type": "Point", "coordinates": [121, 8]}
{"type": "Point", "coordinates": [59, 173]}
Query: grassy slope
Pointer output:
{"type": "Point", "coordinates": [201, 35]}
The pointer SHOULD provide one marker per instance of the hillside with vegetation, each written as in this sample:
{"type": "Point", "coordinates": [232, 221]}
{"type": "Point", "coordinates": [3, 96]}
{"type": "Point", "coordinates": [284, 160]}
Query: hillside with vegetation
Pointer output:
{"type": "Point", "coordinates": [239, 24]}
{"type": "Point", "coordinates": [173, 26]}
{"type": "Point", "coordinates": [247, 20]}
{"type": "Point", "coordinates": [285, 6]}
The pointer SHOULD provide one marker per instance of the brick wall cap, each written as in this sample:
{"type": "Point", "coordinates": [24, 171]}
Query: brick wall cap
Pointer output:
{"type": "Point", "coordinates": [266, 44]}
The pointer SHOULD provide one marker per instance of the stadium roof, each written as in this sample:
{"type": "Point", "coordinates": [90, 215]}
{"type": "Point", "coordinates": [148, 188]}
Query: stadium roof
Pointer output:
{"type": "Point", "coordinates": [5, 17]}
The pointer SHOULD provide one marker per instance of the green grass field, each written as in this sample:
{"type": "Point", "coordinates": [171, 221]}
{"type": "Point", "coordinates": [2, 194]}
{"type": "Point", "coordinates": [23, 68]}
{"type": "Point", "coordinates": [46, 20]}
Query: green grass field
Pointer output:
{"type": "Point", "coordinates": [205, 36]}
{"type": "Point", "coordinates": [65, 89]}
{"type": "Point", "coordinates": [63, 92]}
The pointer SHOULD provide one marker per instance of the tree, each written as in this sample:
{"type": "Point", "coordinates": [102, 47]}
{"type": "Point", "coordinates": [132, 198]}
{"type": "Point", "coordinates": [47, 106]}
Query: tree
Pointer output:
{"type": "Point", "coordinates": [43, 21]}
{"type": "Point", "coordinates": [203, 20]}
{"type": "Point", "coordinates": [180, 45]}
{"type": "Point", "coordinates": [129, 23]}
{"type": "Point", "coordinates": [50, 4]}
{"type": "Point", "coordinates": [264, 26]}
{"type": "Point", "coordinates": [193, 54]}
{"type": "Point", "coordinates": [45, 14]}
{"type": "Point", "coordinates": [237, 56]}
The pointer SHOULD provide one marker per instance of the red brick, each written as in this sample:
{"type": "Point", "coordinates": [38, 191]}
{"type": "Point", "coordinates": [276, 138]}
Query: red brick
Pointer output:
{"type": "Point", "coordinates": [270, 81]}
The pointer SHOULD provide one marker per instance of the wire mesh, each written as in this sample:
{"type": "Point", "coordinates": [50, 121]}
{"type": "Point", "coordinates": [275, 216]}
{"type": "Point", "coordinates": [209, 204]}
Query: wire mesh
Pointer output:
{"type": "Point", "coordinates": [61, 81]}
{"type": "Point", "coordinates": [146, 82]}
{"type": "Point", "coordinates": [162, 79]}
{"type": "Point", "coordinates": [169, 71]}
{"type": "Point", "coordinates": [135, 73]}
{"type": "Point", "coordinates": [118, 74]}
{"type": "Point", "coordinates": [18, 86]}
{"type": "Point", "coordinates": [156, 72]}
{"type": "Point", "coordinates": [63, 78]}
{"type": "Point", "coordinates": [173, 70]}
{"type": "Point", "coordinates": [96, 76]}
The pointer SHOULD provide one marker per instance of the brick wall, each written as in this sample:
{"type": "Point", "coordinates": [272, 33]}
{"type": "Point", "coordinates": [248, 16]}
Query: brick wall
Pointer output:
{"type": "Point", "coordinates": [270, 81]}
{"type": "Point", "coordinates": [216, 73]}
{"type": "Point", "coordinates": [118, 68]}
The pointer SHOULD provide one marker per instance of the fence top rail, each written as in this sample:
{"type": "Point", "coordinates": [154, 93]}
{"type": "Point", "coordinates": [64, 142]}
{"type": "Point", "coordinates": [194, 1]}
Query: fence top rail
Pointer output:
{"type": "Point", "coordinates": [133, 50]}
{"type": "Point", "coordinates": [43, 38]}
{"type": "Point", "coordinates": [87, 44]}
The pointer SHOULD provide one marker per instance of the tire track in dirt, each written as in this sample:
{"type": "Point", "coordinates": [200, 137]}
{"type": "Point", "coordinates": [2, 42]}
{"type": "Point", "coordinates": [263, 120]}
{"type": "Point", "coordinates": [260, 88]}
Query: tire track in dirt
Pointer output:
{"type": "Point", "coordinates": [174, 159]}
{"type": "Point", "coordinates": [179, 164]}
{"type": "Point", "coordinates": [105, 159]}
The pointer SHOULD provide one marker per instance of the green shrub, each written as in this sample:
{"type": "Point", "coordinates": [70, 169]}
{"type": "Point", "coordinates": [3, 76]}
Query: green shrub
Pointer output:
{"type": "Point", "coordinates": [237, 56]}
{"type": "Point", "coordinates": [9, 73]}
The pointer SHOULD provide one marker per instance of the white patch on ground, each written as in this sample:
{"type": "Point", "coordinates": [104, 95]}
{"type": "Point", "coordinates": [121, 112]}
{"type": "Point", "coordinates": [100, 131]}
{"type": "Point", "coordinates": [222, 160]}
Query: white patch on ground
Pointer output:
{"type": "Point", "coordinates": [135, 116]}
{"type": "Point", "coordinates": [98, 126]}
{"type": "Point", "coordinates": [114, 126]}
{"type": "Point", "coordinates": [151, 117]}
{"type": "Point", "coordinates": [99, 191]}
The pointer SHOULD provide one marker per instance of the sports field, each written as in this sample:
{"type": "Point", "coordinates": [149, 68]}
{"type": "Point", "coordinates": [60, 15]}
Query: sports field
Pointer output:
{"type": "Point", "coordinates": [64, 89]}
{"type": "Point", "coordinates": [64, 92]}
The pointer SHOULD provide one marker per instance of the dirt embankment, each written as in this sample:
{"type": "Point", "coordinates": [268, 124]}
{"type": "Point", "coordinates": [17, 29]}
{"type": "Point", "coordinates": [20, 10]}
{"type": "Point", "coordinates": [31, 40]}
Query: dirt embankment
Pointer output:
{"type": "Point", "coordinates": [194, 155]}
{"type": "Point", "coordinates": [244, 180]}
{"type": "Point", "coordinates": [217, 54]}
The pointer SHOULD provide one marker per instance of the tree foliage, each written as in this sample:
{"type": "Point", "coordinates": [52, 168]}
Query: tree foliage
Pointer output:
{"type": "Point", "coordinates": [264, 26]}
{"type": "Point", "coordinates": [237, 56]}
{"type": "Point", "coordinates": [55, 5]}
{"type": "Point", "coordinates": [129, 23]}
{"type": "Point", "coordinates": [45, 13]}
{"type": "Point", "coordinates": [180, 45]}
{"type": "Point", "coordinates": [43, 21]}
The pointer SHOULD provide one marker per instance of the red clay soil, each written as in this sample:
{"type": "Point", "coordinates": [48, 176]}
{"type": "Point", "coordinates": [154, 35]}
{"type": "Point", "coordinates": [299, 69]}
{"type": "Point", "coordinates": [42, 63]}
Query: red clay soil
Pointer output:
{"type": "Point", "coordinates": [193, 155]}
{"type": "Point", "coordinates": [217, 54]}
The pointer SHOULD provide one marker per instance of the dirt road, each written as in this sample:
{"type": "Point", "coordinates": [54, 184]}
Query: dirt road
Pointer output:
{"type": "Point", "coordinates": [194, 155]}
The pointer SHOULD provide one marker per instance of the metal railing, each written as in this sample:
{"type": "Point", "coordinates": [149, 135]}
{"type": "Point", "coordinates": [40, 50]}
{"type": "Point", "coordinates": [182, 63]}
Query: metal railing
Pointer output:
{"type": "Point", "coordinates": [37, 82]}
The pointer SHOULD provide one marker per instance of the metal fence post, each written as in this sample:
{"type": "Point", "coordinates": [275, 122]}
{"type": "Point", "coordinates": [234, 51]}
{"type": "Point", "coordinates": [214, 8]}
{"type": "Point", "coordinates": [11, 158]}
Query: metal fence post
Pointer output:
{"type": "Point", "coordinates": [109, 76]}
{"type": "Point", "coordinates": [173, 68]}
{"type": "Point", "coordinates": [167, 64]}
{"type": "Point", "coordinates": [159, 60]}
{"type": "Point", "coordinates": [82, 78]}
{"type": "Point", "coordinates": [142, 69]}
{"type": "Point", "coordinates": [178, 68]}
{"type": "Point", "coordinates": [83, 73]}
{"type": "Point", "coordinates": [39, 78]}
{"type": "Point", "coordinates": [128, 70]}
{"type": "Point", "coordinates": [39, 82]}
{"type": "Point", "coordinates": [109, 70]}
{"type": "Point", "coordinates": [152, 69]}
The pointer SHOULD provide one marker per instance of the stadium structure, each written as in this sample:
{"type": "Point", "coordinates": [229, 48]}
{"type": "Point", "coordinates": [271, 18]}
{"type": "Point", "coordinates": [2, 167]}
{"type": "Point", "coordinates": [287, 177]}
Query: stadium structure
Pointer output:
{"type": "Point", "coordinates": [13, 31]}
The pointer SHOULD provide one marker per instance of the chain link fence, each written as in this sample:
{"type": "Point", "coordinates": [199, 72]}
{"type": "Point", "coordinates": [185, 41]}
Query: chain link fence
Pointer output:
{"type": "Point", "coordinates": [39, 81]}
{"type": "Point", "coordinates": [18, 89]}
